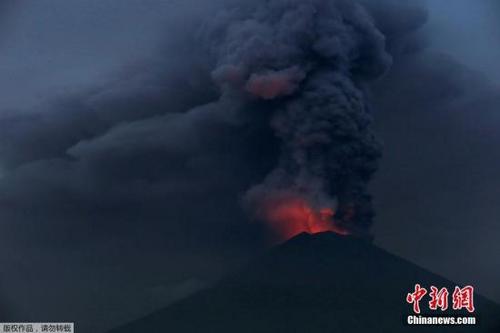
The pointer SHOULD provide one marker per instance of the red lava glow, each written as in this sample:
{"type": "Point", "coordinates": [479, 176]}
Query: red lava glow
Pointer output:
{"type": "Point", "coordinates": [291, 217]}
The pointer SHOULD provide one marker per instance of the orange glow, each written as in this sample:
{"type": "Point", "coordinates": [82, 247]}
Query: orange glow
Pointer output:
{"type": "Point", "coordinates": [293, 216]}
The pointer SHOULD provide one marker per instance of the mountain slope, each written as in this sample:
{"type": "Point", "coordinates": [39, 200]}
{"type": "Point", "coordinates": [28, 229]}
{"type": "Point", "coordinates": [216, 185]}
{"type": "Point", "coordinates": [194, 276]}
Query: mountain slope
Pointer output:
{"type": "Point", "coordinates": [313, 283]}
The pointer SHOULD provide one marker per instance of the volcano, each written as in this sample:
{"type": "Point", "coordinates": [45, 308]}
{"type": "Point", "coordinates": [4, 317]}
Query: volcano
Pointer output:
{"type": "Point", "coordinates": [321, 282]}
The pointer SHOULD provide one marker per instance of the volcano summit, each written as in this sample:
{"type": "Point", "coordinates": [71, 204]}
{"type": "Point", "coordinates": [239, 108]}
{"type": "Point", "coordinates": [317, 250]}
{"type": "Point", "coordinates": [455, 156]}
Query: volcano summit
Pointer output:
{"type": "Point", "coordinates": [323, 282]}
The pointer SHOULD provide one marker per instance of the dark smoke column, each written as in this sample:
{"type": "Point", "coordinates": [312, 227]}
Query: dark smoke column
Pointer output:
{"type": "Point", "coordinates": [309, 60]}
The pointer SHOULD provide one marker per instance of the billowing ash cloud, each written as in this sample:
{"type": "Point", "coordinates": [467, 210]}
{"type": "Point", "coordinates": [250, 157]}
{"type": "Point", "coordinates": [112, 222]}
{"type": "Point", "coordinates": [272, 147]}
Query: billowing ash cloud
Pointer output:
{"type": "Point", "coordinates": [308, 60]}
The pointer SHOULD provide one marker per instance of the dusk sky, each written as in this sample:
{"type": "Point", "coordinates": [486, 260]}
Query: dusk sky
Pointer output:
{"type": "Point", "coordinates": [123, 189]}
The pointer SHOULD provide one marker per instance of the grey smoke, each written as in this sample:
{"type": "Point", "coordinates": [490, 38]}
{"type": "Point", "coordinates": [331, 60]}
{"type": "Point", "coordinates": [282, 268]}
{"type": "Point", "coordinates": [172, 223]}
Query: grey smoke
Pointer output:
{"type": "Point", "coordinates": [309, 61]}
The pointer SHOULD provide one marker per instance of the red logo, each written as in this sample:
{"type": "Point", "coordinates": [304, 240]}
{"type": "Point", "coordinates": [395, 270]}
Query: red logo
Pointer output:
{"type": "Point", "coordinates": [415, 297]}
{"type": "Point", "coordinates": [439, 298]}
{"type": "Point", "coordinates": [462, 298]}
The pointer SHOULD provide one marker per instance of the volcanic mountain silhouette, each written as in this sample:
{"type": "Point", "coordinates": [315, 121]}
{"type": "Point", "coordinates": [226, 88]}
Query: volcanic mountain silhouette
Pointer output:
{"type": "Point", "coordinates": [314, 283]}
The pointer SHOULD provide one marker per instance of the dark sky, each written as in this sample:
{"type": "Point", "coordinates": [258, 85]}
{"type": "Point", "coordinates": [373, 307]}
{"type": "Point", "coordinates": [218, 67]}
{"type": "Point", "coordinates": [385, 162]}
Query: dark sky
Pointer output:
{"type": "Point", "coordinates": [115, 201]}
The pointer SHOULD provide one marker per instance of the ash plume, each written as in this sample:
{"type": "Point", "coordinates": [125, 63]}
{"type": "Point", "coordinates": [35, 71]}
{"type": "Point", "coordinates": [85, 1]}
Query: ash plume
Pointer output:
{"type": "Point", "coordinates": [308, 60]}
